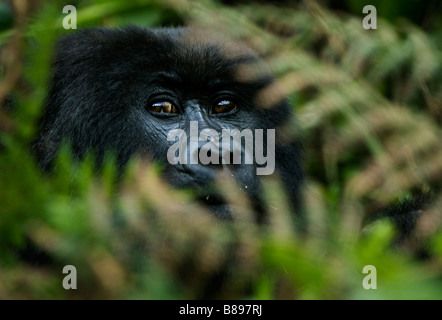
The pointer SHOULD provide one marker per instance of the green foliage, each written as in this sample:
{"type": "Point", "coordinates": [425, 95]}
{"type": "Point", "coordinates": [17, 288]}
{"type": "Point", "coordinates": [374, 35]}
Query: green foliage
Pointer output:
{"type": "Point", "coordinates": [6, 17]}
{"type": "Point", "coordinates": [369, 103]}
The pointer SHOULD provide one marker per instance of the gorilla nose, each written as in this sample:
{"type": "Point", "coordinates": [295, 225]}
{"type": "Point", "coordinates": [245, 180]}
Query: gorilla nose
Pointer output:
{"type": "Point", "coordinates": [204, 151]}
{"type": "Point", "coordinates": [208, 157]}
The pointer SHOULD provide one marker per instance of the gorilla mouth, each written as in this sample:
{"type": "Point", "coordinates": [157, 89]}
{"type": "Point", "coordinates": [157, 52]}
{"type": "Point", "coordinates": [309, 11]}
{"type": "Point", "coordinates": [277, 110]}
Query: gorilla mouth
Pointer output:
{"type": "Point", "coordinates": [200, 181]}
{"type": "Point", "coordinates": [217, 205]}
{"type": "Point", "coordinates": [212, 200]}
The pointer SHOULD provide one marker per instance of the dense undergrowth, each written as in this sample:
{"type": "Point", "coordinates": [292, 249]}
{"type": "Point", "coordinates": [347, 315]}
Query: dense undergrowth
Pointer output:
{"type": "Point", "coordinates": [369, 109]}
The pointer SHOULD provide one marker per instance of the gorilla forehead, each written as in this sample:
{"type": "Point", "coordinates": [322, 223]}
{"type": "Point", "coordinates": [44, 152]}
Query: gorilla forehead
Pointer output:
{"type": "Point", "coordinates": [193, 52]}
{"type": "Point", "coordinates": [193, 55]}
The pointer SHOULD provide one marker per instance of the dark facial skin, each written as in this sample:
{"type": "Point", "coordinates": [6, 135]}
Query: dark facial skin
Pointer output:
{"type": "Point", "coordinates": [123, 90]}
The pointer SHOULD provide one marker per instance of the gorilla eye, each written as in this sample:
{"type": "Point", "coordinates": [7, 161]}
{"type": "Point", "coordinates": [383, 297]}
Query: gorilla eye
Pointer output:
{"type": "Point", "coordinates": [162, 107]}
{"type": "Point", "coordinates": [224, 106]}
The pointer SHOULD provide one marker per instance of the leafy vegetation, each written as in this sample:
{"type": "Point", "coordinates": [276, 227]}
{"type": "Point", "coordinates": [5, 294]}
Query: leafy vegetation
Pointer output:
{"type": "Point", "coordinates": [369, 108]}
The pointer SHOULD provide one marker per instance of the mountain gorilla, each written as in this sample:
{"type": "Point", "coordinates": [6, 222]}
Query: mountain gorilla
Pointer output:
{"type": "Point", "coordinates": [125, 90]}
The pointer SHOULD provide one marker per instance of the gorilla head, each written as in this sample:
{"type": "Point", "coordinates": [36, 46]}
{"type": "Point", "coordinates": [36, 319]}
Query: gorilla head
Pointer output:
{"type": "Point", "coordinates": [193, 101]}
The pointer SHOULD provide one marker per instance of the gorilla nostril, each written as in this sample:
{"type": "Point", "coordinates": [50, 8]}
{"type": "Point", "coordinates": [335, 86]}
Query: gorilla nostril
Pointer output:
{"type": "Point", "coordinates": [208, 158]}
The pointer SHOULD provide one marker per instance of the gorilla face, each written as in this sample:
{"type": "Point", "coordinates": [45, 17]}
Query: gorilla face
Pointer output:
{"type": "Point", "coordinates": [171, 94]}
